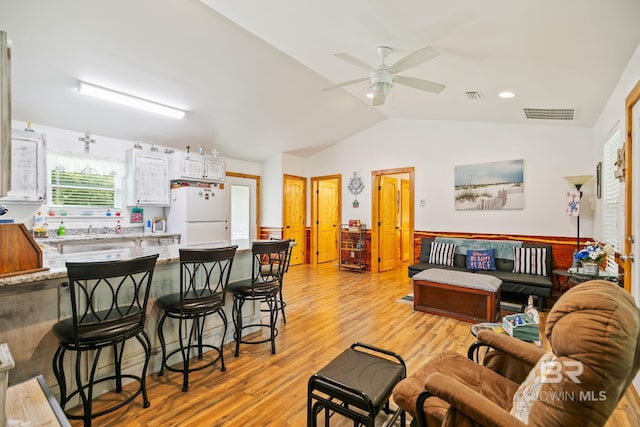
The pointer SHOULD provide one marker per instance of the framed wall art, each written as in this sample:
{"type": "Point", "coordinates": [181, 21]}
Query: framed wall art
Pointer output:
{"type": "Point", "coordinates": [599, 180]}
{"type": "Point", "coordinates": [490, 186]}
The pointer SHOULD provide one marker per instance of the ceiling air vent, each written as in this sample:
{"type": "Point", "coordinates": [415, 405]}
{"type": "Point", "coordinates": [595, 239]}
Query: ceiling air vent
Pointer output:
{"type": "Point", "coordinates": [473, 95]}
{"type": "Point", "coordinates": [549, 113]}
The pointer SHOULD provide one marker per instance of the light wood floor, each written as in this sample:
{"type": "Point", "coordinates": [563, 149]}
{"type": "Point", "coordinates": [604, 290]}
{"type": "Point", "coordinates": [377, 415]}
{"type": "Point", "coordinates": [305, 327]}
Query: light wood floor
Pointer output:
{"type": "Point", "coordinates": [327, 311]}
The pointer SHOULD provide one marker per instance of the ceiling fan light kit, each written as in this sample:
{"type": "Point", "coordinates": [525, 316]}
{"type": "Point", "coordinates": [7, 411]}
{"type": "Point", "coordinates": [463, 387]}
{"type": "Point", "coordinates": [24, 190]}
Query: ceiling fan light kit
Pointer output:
{"type": "Point", "coordinates": [380, 83]}
{"type": "Point", "coordinates": [382, 77]}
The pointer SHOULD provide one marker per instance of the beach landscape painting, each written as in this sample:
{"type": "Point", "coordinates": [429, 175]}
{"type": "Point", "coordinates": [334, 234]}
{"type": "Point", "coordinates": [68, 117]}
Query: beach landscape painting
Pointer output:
{"type": "Point", "coordinates": [490, 186]}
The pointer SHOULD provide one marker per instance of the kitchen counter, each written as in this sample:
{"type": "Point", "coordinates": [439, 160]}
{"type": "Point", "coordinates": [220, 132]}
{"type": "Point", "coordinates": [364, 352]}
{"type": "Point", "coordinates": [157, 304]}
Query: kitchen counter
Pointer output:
{"type": "Point", "coordinates": [30, 304]}
{"type": "Point", "coordinates": [98, 242]}
{"type": "Point", "coordinates": [102, 237]}
{"type": "Point", "coordinates": [56, 262]}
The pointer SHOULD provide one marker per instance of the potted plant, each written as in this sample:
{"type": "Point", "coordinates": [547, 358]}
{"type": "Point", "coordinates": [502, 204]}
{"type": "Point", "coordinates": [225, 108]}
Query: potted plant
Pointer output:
{"type": "Point", "coordinates": [592, 256]}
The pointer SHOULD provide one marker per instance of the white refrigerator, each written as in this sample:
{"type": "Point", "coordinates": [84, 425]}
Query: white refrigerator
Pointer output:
{"type": "Point", "coordinates": [200, 215]}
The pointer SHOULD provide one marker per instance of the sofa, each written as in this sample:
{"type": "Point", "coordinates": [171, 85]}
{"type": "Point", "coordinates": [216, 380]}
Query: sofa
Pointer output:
{"type": "Point", "coordinates": [520, 284]}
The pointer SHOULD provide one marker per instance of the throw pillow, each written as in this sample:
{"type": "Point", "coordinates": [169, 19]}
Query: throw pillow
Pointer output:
{"type": "Point", "coordinates": [441, 253]}
{"type": "Point", "coordinates": [529, 390]}
{"type": "Point", "coordinates": [483, 259]}
{"type": "Point", "coordinates": [530, 260]}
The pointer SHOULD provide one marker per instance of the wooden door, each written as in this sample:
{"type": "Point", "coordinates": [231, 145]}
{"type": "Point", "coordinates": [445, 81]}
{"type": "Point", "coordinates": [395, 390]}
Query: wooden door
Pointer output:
{"type": "Point", "coordinates": [294, 215]}
{"type": "Point", "coordinates": [388, 220]}
{"type": "Point", "coordinates": [631, 243]}
{"type": "Point", "coordinates": [405, 220]}
{"type": "Point", "coordinates": [328, 220]}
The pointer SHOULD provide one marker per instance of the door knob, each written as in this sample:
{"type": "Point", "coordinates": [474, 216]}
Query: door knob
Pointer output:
{"type": "Point", "coordinates": [629, 257]}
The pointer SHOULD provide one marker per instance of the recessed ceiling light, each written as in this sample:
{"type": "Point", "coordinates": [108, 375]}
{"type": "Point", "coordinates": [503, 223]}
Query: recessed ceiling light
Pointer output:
{"type": "Point", "coordinates": [506, 94]}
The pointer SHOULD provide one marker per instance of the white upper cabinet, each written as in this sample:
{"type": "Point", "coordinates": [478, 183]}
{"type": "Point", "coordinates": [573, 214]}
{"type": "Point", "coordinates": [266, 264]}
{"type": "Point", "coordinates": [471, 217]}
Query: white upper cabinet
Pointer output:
{"type": "Point", "coordinates": [28, 168]}
{"type": "Point", "coordinates": [197, 167]}
{"type": "Point", "coordinates": [147, 178]}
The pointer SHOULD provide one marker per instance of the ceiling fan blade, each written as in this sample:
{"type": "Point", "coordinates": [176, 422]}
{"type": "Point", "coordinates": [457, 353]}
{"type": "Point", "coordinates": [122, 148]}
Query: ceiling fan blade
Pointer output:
{"type": "Point", "coordinates": [355, 61]}
{"type": "Point", "coordinates": [421, 84]}
{"type": "Point", "coordinates": [377, 100]}
{"type": "Point", "coordinates": [350, 82]}
{"type": "Point", "coordinates": [415, 58]}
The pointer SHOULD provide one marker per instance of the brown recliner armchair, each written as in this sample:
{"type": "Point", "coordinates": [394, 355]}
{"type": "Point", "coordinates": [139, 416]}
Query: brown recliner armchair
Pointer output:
{"type": "Point", "coordinates": [593, 336]}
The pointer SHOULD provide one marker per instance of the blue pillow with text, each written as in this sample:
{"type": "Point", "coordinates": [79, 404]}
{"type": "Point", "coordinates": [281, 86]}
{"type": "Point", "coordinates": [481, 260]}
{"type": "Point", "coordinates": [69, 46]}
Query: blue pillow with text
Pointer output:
{"type": "Point", "coordinates": [484, 259]}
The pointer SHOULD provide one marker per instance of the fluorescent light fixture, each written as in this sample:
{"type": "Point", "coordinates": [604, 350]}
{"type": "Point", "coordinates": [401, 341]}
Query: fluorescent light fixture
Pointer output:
{"type": "Point", "coordinates": [128, 100]}
{"type": "Point", "coordinates": [506, 94]}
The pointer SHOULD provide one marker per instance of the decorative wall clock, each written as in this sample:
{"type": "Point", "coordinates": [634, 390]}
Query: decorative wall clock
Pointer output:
{"type": "Point", "coordinates": [355, 187]}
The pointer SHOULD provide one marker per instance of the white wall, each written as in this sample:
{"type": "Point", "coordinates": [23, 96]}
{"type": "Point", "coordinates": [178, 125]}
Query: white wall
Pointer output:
{"type": "Point", "coordinates": [66, 141]}
{"type": "Point", "coordinates": [271, 189]}
{"type": "Point", "coordinates": [614, 114]}
{"type": "Point", "coordinates": [241, 166]}
{"type": "Point", "coordinates": [434, 147]}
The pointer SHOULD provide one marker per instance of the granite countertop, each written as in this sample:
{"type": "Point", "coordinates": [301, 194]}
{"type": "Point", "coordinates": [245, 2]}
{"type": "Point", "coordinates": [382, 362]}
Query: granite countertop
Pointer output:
{"type": "Point", "coordinates": [101, 237]}
{"type": "Point", "coordinates": [56, 262]}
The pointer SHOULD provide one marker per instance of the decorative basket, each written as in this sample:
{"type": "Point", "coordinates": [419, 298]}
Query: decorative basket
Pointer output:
{"type": "Point", "coordinates": [590, 268]}
{"type": "Point", "coordinates": [526, 328]}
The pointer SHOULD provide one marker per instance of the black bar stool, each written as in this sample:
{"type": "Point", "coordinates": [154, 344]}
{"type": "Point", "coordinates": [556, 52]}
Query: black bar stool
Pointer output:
{"type": "Point", "coordinates": [269, 262]}
{"type": "Point", "coordinates": [204, 275]}
{"type": "Point", "coordinates": [281, 304]}
{"type": "Point", "coordinates": [108, 303]}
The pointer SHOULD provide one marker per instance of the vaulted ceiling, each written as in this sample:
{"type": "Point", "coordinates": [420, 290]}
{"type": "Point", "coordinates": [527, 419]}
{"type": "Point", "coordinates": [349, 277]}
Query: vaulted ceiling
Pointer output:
{"type": "Point", "coordinates": [250, 73]}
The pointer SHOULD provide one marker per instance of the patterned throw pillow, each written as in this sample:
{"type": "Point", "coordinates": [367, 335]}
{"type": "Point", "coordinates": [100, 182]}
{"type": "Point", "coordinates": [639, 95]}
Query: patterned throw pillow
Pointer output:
{"type": "Point", "coordinates": [530, 260]}
{"type": "Point", "coordinates": [483, 259]}
{"type": "Point", "coordinates": [529, 389]}
{"type": "Point", "coordinates": [441, 253]}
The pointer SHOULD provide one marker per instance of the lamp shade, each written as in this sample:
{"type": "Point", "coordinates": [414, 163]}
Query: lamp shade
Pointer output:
{"type": "Point", "coordinates": [578, 180]}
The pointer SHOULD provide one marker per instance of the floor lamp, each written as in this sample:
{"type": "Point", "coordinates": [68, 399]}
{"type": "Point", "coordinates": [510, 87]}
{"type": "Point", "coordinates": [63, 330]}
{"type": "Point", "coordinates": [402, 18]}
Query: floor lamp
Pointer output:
{"type": "Point", "coordinates": [578, 181]}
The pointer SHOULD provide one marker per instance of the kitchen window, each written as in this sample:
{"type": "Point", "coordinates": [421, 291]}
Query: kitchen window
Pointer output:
{"type": "Point", "coordinates": [82, 189]}
{"type": "Point", "coordinates": [84, 182]}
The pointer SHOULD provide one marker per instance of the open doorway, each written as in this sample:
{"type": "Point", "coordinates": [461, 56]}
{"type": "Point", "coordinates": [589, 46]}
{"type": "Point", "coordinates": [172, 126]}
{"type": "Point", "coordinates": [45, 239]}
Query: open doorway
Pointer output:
{"type": "Point", "coordinates": [392, 218]}
{"type": "Point", "coordinates": [244, 202]}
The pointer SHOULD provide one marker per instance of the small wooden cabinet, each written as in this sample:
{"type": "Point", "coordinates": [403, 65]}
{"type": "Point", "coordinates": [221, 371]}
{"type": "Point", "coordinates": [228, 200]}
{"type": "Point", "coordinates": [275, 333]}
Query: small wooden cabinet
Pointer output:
{"type": "Point", "coordinates": [147, 178]}
{"type": "Point", "coordinates": [353, 247]}
{"type": "Point", "coordinates": [19, 252]}
{"type": "Point", "coordinates": [28, 168]}
{"type": "Point", "coordinates": [197, 167]}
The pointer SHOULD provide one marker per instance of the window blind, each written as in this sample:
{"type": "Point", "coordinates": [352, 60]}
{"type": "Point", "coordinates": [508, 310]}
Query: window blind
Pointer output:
{"type": "Point", "coordinates": [612, 202]}
{"type": "Point", "coordinates": [82, 189]}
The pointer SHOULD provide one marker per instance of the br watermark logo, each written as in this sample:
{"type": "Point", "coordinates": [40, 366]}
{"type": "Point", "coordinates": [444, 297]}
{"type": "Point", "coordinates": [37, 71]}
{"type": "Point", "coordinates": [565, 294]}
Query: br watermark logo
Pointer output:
{"type": "Point", "coordinates": [553, 371]}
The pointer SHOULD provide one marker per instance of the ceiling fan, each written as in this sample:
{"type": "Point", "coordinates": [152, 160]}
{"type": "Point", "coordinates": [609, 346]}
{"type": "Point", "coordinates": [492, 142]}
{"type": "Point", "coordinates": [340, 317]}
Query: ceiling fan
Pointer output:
{"type": "Point", "coordinates": [383, 76]}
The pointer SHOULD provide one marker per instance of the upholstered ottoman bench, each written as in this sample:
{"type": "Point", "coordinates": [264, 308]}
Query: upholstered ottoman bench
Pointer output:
{"type": "Point", "coordinates": [464, 296]}
{"type": "Point", "coordinates": [356, 384]}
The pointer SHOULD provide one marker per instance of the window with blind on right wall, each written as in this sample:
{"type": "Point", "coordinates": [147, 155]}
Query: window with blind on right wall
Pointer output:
{"type": "Point", "coordinates": [612, 201]}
